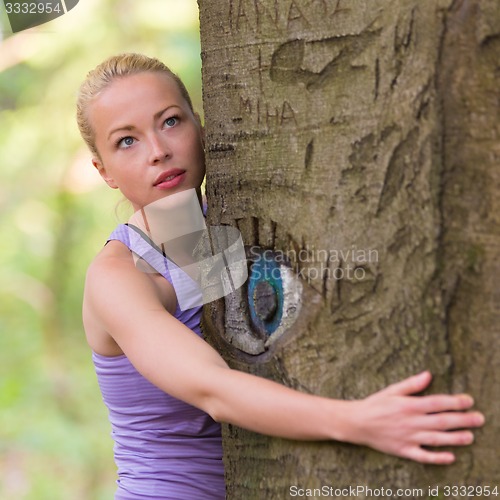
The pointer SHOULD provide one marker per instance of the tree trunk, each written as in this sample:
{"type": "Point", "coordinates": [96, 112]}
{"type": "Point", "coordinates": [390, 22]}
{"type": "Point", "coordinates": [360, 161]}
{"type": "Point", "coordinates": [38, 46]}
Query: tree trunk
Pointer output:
{"type": "Point", "coordinates": [360, 140]}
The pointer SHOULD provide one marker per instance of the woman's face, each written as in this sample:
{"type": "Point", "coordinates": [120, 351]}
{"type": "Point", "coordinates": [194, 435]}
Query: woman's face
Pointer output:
{"type": "Point", "coordinates": [149, 141]}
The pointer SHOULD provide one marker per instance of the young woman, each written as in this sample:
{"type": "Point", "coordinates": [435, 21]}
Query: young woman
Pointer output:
{"type": "Point", "coordinates": [165, 388]}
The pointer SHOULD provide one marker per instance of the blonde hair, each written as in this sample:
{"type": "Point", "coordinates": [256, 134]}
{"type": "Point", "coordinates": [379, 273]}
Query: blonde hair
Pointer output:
{"type": "Point", "coordinates": [103, 75]}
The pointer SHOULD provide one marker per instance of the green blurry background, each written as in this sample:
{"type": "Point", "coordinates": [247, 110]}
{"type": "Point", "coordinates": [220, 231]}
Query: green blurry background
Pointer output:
{"type": "Point", "coordinates": [55, 215]}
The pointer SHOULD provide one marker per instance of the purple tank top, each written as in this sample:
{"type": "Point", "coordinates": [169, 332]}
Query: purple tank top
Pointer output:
{"type": "Point", "coordinates": [164, 448]}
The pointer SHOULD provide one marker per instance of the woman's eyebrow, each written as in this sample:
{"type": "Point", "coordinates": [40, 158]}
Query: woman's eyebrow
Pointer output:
{"type": "Point", "coordinates": [157, 115]}
{"type": "Point", "coordinates": [124, 127]}
{"type": "Point", "coordinates": [128, 128]}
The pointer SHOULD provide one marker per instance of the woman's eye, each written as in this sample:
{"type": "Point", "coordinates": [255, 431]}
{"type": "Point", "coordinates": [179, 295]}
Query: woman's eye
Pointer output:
{"type": "Point", "coordinates": [170, 122]}
{"type": "Point", "coordinates": [126, 142]}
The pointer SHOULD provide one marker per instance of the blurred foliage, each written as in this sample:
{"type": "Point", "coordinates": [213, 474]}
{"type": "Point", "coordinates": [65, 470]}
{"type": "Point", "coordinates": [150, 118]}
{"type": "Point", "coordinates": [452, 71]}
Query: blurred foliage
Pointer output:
{"type": "Point", "coordinates": [55, 215]}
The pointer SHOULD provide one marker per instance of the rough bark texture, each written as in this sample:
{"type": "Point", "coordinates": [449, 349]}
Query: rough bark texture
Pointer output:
{"type": "Point", "coordinates": [336, 126]}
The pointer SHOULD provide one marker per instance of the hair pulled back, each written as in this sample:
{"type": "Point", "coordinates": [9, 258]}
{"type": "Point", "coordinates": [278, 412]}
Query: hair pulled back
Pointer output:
{"type": "Point", "coordinates": [119, 66]}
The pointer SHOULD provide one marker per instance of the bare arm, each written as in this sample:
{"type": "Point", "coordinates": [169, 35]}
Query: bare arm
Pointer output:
{"type": "Point", "coordinates": [175, 359]}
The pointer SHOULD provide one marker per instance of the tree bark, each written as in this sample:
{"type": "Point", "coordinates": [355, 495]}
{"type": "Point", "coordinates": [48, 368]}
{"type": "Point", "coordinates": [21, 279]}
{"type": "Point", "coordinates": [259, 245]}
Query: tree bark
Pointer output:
{"type": "Point", "coordinates": [360, 140]}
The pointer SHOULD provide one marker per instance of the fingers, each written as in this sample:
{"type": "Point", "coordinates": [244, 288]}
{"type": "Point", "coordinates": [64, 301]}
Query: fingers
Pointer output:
{"type": "Point", "coordinates": [422, 455]}
{"type": "Point", "coordinates": [430, 457]}
{"type": "Point", "coordinates": [457, 438]}
{"type": "Point", "coordinates": [436, 403]}
{"type": "Point", "coordinates": [411, 385]}
{"type": "Point", "coordinates": [444, 402]}
{"type": "Point", "coordinates": [451, 420]}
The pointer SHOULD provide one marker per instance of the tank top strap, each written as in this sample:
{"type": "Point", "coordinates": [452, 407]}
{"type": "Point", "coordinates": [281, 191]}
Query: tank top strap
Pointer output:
{"type": "Point", "coordinates": [188, 291]}
{"type": "Point", "coordinates": [139, 243]}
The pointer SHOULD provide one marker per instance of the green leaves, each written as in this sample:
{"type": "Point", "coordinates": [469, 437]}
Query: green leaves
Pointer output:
{"type": "Point", "coordinates": [55, 215]}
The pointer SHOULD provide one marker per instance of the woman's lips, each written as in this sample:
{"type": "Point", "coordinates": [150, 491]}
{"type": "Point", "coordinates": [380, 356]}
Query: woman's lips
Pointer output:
{"type": "Point", "coordinates": [170, 180]}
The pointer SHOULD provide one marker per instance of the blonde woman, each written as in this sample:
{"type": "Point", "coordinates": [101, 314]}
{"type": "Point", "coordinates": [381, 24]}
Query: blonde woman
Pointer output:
{"type": "Point", "coordinates": [165, 388]}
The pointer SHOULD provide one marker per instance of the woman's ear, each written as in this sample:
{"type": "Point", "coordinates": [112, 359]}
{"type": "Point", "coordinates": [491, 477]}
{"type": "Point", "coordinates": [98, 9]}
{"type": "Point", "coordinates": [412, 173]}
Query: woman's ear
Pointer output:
{"type": "Point", "coordinates": [102, 171]}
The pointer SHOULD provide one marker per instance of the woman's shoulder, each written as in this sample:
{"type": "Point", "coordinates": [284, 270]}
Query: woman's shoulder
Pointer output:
{"type": "Point", "coordinates": [110, 266]}
{"type": "Point", "coordinates": [115, 273]}
{"type": "Point", "coordinates": [119, 297]}
{"type": "Point", "coordinates": [113, 254]}
{"type": "Point", "coordinates": [115, 258]}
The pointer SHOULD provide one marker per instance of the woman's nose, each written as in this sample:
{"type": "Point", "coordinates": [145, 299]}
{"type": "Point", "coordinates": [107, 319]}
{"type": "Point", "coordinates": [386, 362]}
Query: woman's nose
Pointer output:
{"type": "Point", "coordinates": [159, 149]}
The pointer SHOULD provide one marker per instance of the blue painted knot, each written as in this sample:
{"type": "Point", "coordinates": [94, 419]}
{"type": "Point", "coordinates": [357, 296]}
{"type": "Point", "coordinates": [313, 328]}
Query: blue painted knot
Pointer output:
{"type": "Point", "coordinates": [265, 292]}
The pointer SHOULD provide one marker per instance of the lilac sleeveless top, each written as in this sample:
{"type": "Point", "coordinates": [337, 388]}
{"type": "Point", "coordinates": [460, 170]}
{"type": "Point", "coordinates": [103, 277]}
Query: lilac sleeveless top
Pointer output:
{"type": "Point", "coordinates": [164, 448]}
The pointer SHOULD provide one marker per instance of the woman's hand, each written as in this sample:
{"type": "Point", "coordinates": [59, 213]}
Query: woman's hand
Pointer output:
{"type": "Point", "coordinates": [395, 422]}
